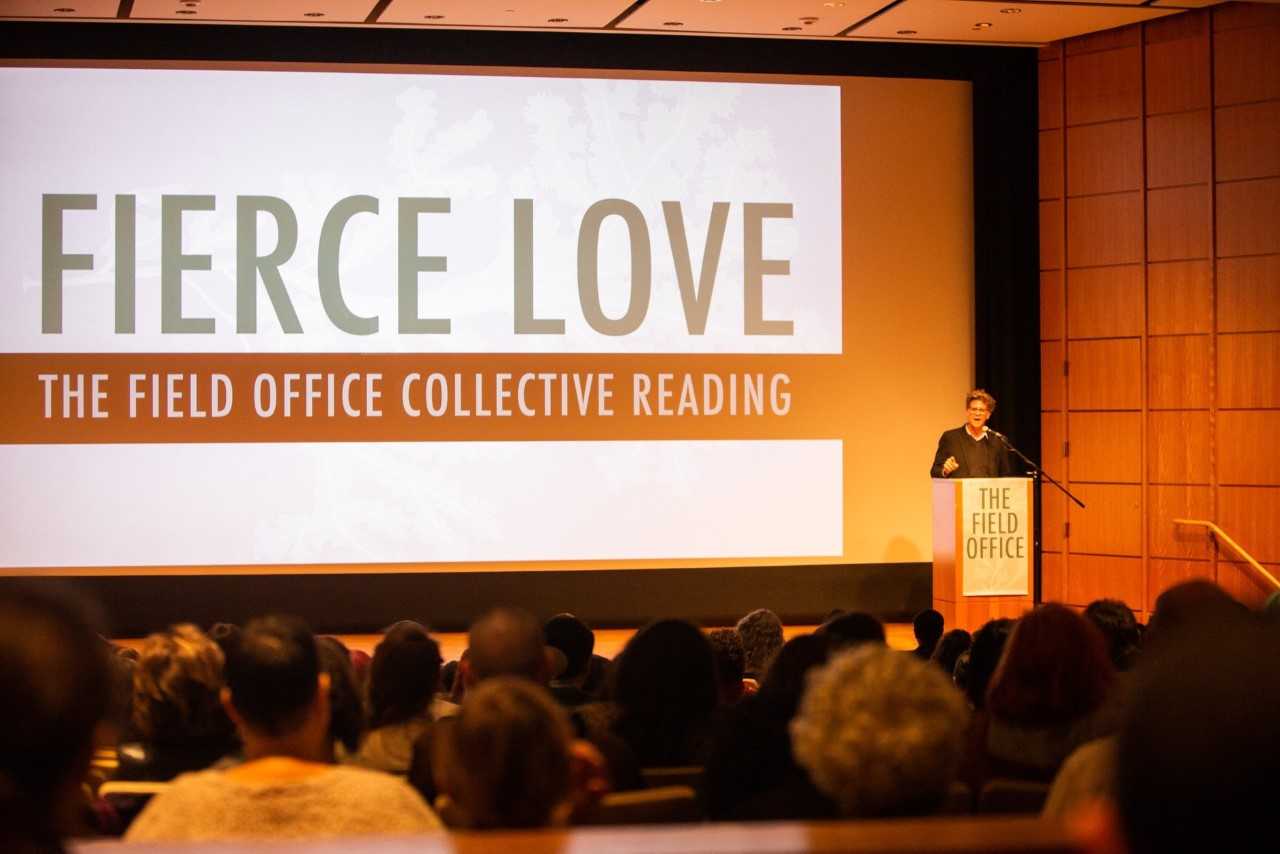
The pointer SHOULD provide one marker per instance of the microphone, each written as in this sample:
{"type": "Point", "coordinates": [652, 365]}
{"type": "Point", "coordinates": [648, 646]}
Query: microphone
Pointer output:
{"type": "Point", "coordinates": [995, 433]}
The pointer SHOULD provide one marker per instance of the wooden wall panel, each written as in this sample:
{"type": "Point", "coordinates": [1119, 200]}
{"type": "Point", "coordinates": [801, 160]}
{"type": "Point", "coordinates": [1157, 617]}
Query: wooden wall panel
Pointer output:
{"type": "Point", "coordinates": [1178, 446]}
{"type": "Point", "coordinates": [1052, 314]}
{"type": "Point", "coordinates": [1104, 230]}
{"type": "Point", "coordinates": [1051, 166]}
{"type": "Point", "coordinates": [1249, 447]}
{"type": "Point", "coordinates": [1247, 141]}
{"type": "Point", "coordinates": [1179, 297]}
{"type": "Point", "coordinates": [1050, 235]}
{"type": "Point", "coordinates": [1105, 158]}
{"type": "Point", "coordinates": [1247, 215]}
{"type": "Point", "coordinates": [1106, 447]}
{"type": "Point", "coordinates": [1053, 385]}
{"type": "Point", "coordinates": [1091, 577]}
{"type": "Point", "coordinates": [1178, 372]}
{"type": "Point", "coordinates": [1105, 302]}
{"type": "Point", "coordinates": [1249, 370]}
{"type": "Point", "coordinates": [1105, 374]}
{"type": "Point", "coordinates": [1053, 433]}
{"type": "Point", "coordinates": [1163, 574]}
{"type": "Point", "coordinates": [1178, 149]}
{"type": "Point", "coordinates": [1050, 89]}
{"type": "Point", "coordinates": [1178, 75]}
{"type": "Point", "coordinates": [1178, 223]}
{"type": "Point", "coordinates": [1249, 514]}
{"type": "Point", "coordinates": [1127, 36]}
{"type": "Point", "coordinates": [1052, 583]}
{"type": "Point", "coordinates": [1176, 28]}
{"type": "Point", "coordinates": [1104, 86]}
{"type": "Point", "coordinates": [1167, 540]}
{"type": "Point", "coordinates": [1246, 65]}
{"type": "Point", "coordinates": [1053, 517]}
{"type": "Point", "coordinates": [1249, 294]}
{"type": "Point", "coordinates": [1110, 524]}
{"type": "Point", "coordinates": [1233, 16]}
{"type": "Point", "coordinates": [1239, 579]}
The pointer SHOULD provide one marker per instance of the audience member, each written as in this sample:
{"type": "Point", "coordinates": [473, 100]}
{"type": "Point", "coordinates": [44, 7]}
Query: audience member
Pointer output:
{"type": "Point", "coordinates": [1048, 696]}
{"type": "Point", "coordinates": [852, 629]}
{"type": "Point", "coordinates": [1120, 629]}
{"type": "Point", "coordinates": [278, 697]}
{"type": "Point", "coordinates": [56, 689]}
{"type": "Point", "coordinates": [751, 773]}
{"type": "Point", "coordinates": [347, 719]}
{"type": "Point", "coordinates": [505, 642]}
{"type": "Point", "coordinates": [984, 655]}
{"type": "Point", "coordinates": [880, 733]}
{"type": "Point", "coordinates": [504, 760]}
{"type": "Point", "coordinates": [1190, 602]}
{"type": "Point", "coordinates": [403, 679]}
{"type": "Point", "coordinates": [665, 691]}
{"type": "Point", "coordinates": [178, 717]}
{"type": "Point", "coordinates": [726, 647]}
{"type": "Point", "coordinates": [576, 641]}
{"type": "Point", "coordinates": [953, 644]}
{"type": "Point", "coordinates": [927, 626]}
{"type": "Point", "coordinates": [761, 633]}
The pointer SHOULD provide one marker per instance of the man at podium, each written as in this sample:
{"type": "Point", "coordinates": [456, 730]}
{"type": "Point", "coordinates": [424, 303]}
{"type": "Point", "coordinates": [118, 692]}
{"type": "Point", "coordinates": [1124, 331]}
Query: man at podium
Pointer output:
{"type": "Point", "coordinates": [972, 450]}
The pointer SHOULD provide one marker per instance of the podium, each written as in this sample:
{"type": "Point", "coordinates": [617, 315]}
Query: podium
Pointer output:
{"type": "Point", "coordinates": [983, 549]}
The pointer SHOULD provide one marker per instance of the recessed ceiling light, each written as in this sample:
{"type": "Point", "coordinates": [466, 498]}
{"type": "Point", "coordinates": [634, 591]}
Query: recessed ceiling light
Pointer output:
{"type": "Point", "coordinates": [906, 32]}
{"type": "Point", "coordinates": [433, 17]}
{"type": "Point", "coordinates": [808, 20]}
{"type": "Point", "coordinates": [64, 9]}
{"type": "Point", "coordinates": [184, 12]}
{"type": "Point", "coordinates": [791, 29]}
{"type": "Point", "coordinates": [1012, 10]}
{"type": "Point", "coordinates": [673, 23]}
{"type": "Point", "coordinates": [557, 20]}
{"type": "Point", "coordinates": [313, 14]}
{"type": "Point", "coordinates": [710, 1]}
{"type": "Point", "coordinates": [983, 25]}
{"type": "Point", "coordinates": [833, 4]}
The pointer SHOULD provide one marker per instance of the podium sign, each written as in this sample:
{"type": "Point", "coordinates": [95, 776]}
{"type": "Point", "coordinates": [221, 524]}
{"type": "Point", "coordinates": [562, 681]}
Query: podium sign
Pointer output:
{"type": "Point", "coordinates": [994, 530]}
{"type": "Point", "coordinates": [983, 548]}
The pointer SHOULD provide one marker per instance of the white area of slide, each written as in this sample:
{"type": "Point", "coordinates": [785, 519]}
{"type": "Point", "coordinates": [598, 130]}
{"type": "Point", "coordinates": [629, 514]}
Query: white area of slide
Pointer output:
{"type": "Point", "coordinates": [294, 503]}
{"type": "Point", "coordinates": [314, 138]}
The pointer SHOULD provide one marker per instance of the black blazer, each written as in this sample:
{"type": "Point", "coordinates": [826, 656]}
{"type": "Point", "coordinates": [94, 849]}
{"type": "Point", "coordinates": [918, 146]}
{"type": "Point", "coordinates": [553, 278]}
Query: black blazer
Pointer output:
{"type": "Point", "coordinates": [977, 458]}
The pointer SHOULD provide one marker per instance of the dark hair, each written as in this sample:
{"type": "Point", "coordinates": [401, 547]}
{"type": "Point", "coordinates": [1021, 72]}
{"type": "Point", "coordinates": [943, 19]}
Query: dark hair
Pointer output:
{"type": "Point", "coordinates": [224, 634]}
{"type": "Point", "coordinates": [852, 629]}
{"type": "Point", "coordinates": [574, 638]}
{"type": "Point", "coordinates": [507, 642]}
{"type": "Point", "coordinates": [1119, 627]}
{"type": "Point", "coordinates": [1198, 756]}
{"type": "Point", "coordinates": [761, 633]}
{"type": "Point", "coordinates": [1054, 669]}
{"type": "Point", "coordinates": [271, 672]}
{"type": "Point", "coordinates": [984, 655]}
{"type": "Point", "coordinates": [403, 676]}
{"type": "Point", "coordinates": [784, 684]}
{"type": "Point", "coordinates": [56, 686]}
{"type": "Point", "coordinates": [953, 644]}
{"type": "Point", "coordinates": [665, 686]}
{"type": "Point", "coordinates": [1190, 602]}
{"type": "Point", "coordinates": [346, 706]}
{"type": "Point", "coordinates": [928, 626]}
{"type": "Point", "coordinates": [726, 646]}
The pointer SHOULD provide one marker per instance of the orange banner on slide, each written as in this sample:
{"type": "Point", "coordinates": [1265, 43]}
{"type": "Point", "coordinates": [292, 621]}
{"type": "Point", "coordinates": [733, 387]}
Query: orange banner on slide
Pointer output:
{"type": "Point", "coordinates": [344, 397]}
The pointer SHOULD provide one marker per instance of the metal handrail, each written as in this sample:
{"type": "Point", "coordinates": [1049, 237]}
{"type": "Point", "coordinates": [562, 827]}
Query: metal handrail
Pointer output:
{"type": "Point", "coordinates": [1223, 537]}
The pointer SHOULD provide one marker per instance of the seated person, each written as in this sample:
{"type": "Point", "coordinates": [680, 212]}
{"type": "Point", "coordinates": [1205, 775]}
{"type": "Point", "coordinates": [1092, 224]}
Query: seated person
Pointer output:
{"type": "Point", "coordinates": [287, 788]}
{"type": "Point", "coordinates": [402, 687]}
{"type": "Point", "coordinates": [575, 640]}
{"type": "Point", "coordinates": [880, 733]}
{"type": "Point", "coordinates": [761, 633]}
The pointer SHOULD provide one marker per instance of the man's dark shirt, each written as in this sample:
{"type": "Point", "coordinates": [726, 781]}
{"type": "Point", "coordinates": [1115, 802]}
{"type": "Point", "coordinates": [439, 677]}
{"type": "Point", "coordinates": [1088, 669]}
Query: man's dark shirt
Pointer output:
{"type": "Point", "coordinates": [977, 457]}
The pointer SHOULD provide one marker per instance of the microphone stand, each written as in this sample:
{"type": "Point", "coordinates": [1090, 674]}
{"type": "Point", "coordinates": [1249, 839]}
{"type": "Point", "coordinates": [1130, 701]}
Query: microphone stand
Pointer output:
{"type": "Point", "coordinates": [1038, 475]}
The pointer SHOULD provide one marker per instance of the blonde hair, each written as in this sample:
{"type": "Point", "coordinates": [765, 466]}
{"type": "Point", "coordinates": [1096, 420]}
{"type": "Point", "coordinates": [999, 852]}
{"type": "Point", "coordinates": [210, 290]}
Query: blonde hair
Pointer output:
{"type": "Point", "coordinates": [176, 686]}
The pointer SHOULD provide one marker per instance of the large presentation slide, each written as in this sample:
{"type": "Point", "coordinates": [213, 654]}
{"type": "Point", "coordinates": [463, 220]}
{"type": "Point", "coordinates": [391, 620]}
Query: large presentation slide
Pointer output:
{"type": "Point", "coordinates": [422, 319]}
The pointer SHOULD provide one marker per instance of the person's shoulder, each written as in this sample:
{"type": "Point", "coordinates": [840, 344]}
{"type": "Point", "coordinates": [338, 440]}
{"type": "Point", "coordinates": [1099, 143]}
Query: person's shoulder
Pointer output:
{"type": "Point", "coordinates": [387, 803]}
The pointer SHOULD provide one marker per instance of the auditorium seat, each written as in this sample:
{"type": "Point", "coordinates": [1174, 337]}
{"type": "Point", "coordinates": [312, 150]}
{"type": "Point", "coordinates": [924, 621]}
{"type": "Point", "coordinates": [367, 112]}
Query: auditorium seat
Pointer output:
{"type": "Point", "coordinates": [1010, 797]}
{"type": "Point", "coordinates": [662, 805]}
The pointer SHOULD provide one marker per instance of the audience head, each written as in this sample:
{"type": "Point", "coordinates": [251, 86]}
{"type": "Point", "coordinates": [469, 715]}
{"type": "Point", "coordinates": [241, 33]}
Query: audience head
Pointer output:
{"type": "Point", "coordinates": [224, 634]}
{"type": "Point", "coordinates": [953, 644]}
{"type": "Point", "coordinates": [1120, 629]}
{"type": "Point", "coordinates": [880, 732]}
{"type": "Point", "coordinates": [56, 686]}
{"type": "Point", "coordinates": [1191, 602]}
{"type": "Point", "coordinates": [1199, 754]}
{"type": "Point", "coordinates": [726, 646]}
{"type": "Point", "coordinates": [852, 629]}
{"type": "Point", "coordinates": [176, 687]}
{"type": "Point", "coordinates": [1054, 669]}
{"type": "Point", "coordinates": [761, 633]}
{"type": "Point", "coordinates": [574, 639]}
{"type": "Point", "coordinates": [404, 675]}
{"type": "Point", "coordinates": [505, 758]}
{"type": "Point", "coordinates": [928, 626]}
{"type": "Point", "coordinates": [273, 678]}
{"type": "Point", "coordinates": [665, 685]}
{"type": "Point", "coordinates": [785, 681]}
{"type": "Point", "coordinates": [984, 655]}
{"type": "Point", "coordinates": [506, 642]}
{"type": "Point", "coordinates": [346, 704]}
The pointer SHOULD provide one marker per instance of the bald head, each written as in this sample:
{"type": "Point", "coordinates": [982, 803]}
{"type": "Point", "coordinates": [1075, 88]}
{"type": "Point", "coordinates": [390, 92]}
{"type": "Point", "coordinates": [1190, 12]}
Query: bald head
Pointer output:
{"type": "Point", "coordinates": [507, 642]}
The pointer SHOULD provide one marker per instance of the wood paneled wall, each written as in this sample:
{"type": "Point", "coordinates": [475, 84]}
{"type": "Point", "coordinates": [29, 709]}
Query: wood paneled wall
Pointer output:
{"type": "Point", "coordinates": [1160, 302]}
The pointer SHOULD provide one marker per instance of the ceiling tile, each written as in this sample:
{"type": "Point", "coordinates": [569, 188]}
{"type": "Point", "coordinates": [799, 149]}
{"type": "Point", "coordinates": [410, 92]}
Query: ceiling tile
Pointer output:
{"type": "Point", "coordinates": [1034, 23]}
{"type": "Point", "coordinates": [505, 14]}
{"type": "Point", "coordinates": [752, 17]}
{"type": "Point", "coordinates": [46, 8]}
{"type": "Point", "coordinates": [254, 11]}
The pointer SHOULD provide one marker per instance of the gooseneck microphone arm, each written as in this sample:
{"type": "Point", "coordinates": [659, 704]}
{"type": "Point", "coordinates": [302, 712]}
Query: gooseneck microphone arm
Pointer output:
{"type": "Point", "coordinates": [1035, 468]}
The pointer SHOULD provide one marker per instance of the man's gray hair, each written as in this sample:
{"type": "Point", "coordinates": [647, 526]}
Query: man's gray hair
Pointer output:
{"type": "Point", "coordinates": [761, 633]}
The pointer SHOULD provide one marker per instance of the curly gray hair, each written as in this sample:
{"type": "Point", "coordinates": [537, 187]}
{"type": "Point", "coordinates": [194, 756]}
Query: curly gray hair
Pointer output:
{"type": "Point", "coordinates": [880, 732]}
{"type": "Point", "coordinates": [761, 633]}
